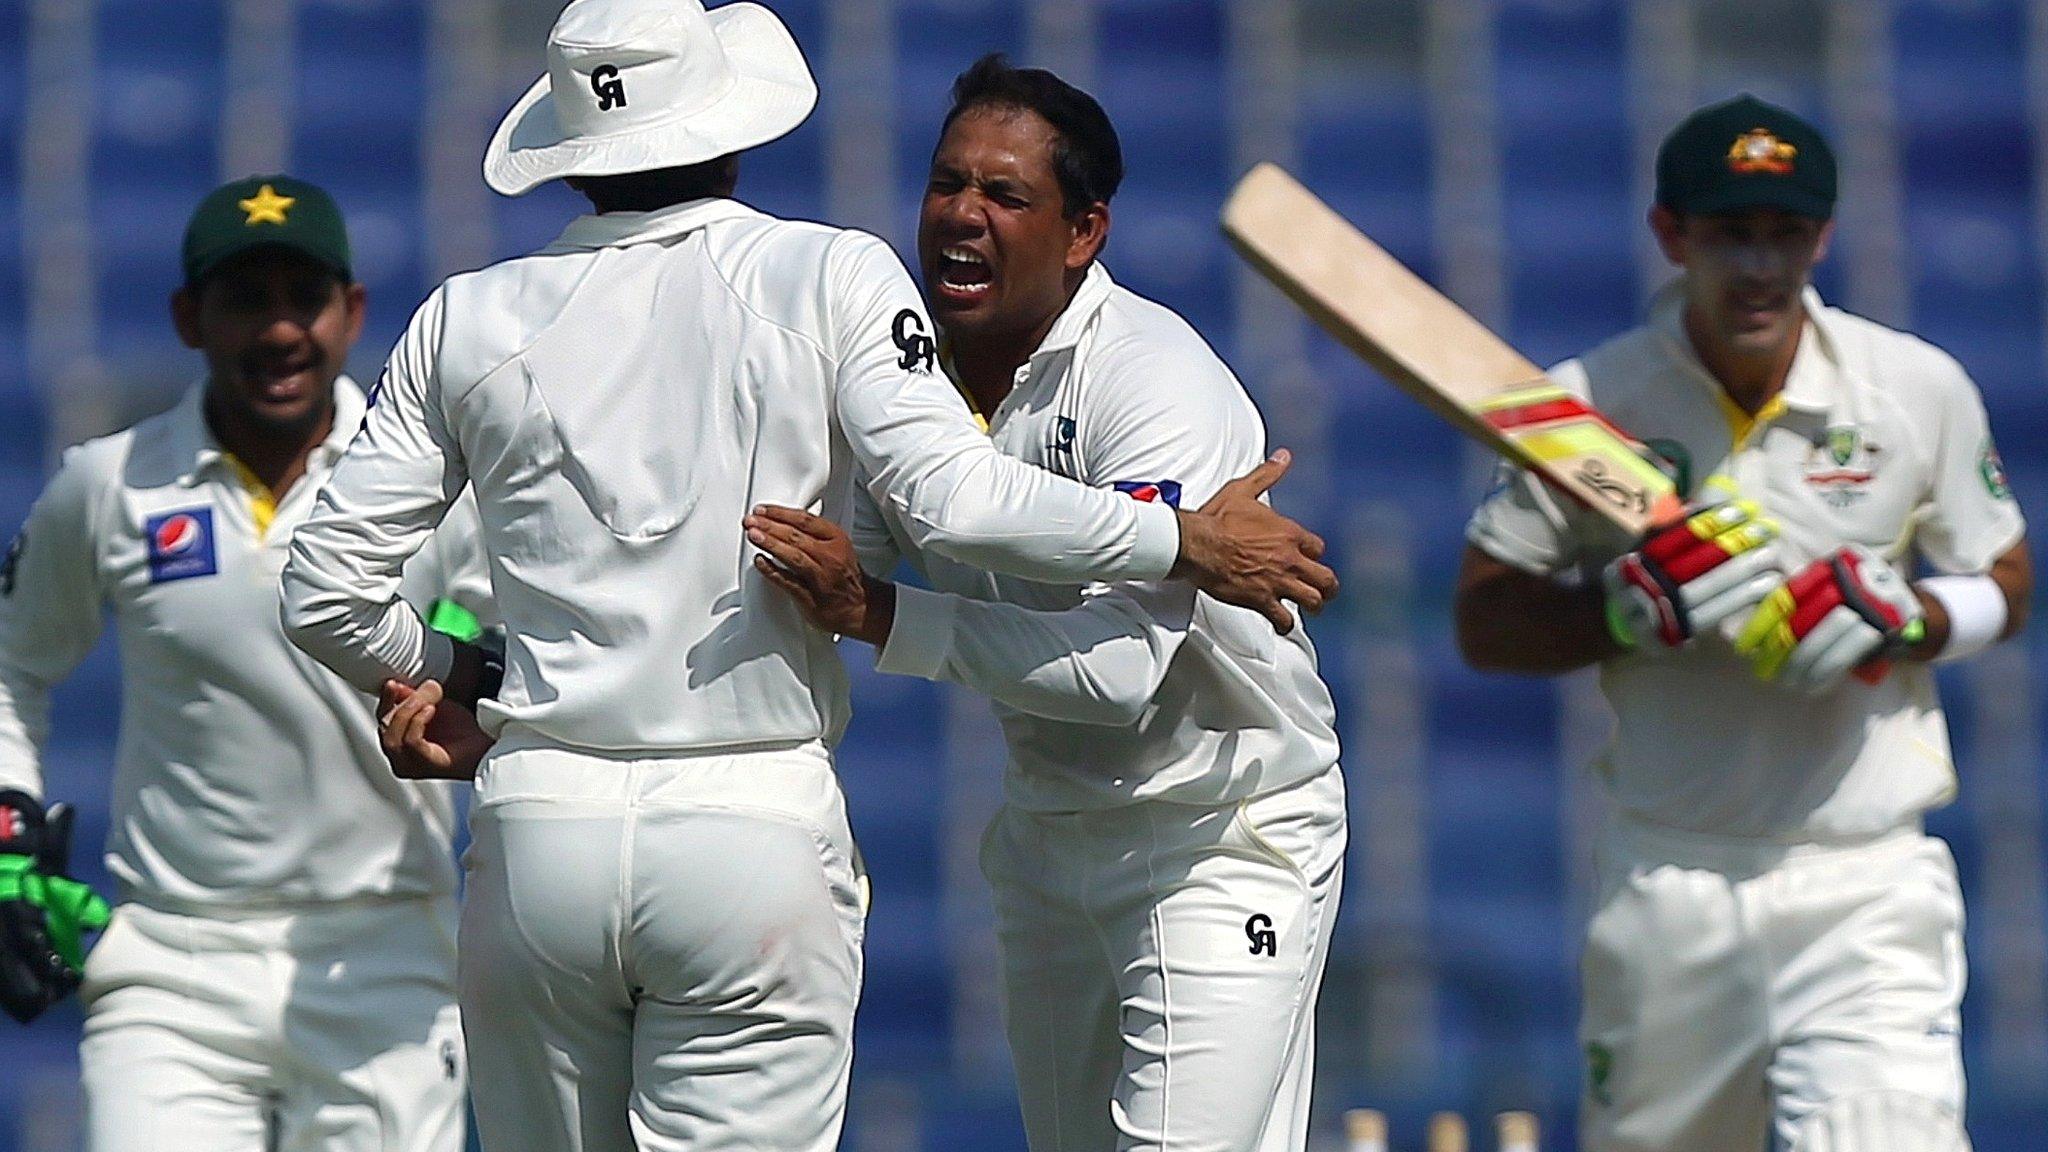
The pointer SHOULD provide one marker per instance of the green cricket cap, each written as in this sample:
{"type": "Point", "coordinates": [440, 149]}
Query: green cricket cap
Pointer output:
{"type": "Point", "coordinates": [1746, 153]}
{"type": "Point", "coordinates": [265, 211]}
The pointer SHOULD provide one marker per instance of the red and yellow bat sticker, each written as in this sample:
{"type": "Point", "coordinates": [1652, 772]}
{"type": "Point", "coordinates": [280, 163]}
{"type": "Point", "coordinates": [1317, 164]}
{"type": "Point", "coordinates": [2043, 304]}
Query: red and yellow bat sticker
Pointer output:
{"type": "Point", "coordinates": [1554, 428]}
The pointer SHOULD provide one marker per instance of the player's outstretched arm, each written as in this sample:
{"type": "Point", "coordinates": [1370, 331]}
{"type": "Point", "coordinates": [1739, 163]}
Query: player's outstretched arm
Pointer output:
{"type": "Point", "coordinates": [956, 495]}
{"type": "Point", "coordinates": [340, 600]}
{"type": "Point", "coordinates": [1099, 662]}
{"type": "Point", "coordinates": [1237, 549]}
{"type": "Point", "coordinates": [814, 562]}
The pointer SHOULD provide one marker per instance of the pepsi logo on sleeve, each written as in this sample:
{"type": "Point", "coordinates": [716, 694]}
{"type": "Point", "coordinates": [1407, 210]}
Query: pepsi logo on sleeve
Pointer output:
{"type": "Point", "coordinates": [180, 545]}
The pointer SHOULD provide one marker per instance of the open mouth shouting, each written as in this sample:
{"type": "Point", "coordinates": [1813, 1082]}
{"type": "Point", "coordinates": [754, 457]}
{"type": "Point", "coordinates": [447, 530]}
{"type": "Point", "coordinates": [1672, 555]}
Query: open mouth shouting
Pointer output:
{"type": "Point", "coordinates": [963, 276]}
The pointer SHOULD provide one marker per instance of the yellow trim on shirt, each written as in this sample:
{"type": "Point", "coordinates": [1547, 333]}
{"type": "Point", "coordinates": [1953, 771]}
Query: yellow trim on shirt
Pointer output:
{"type": "Point", "coordinates": [1741, 425]}
{"type": "Point", "coordinates": [262, 502]}
{"type": "Point", "coordinates": [946, 366]}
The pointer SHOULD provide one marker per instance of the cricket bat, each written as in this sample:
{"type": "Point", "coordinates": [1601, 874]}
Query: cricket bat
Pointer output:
{"type": "Point", "coordinates": [1436, 352]}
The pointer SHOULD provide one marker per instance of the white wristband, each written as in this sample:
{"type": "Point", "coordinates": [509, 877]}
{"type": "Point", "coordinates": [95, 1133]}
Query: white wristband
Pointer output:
{"type": "Point", "coordinates": [1976, 613]}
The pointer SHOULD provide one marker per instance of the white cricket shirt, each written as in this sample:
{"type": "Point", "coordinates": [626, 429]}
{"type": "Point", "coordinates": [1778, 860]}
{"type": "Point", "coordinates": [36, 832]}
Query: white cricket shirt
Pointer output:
{"type": "Point", "coordinates": [1114, 693]}
{"type": "Point", "coordinates": [1878, 438]}
{"type": "Point", "coordinates": [246, 774]}
{"type": "Point", "coordinates": [619, 401]}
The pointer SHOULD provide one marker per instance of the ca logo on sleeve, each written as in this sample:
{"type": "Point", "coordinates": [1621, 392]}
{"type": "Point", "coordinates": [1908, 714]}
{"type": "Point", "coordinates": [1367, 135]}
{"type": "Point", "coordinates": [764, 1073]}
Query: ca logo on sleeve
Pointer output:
{"type": "Point", "coordinates": [180, 545]}
{"type": "Point", "coordinates": [907, 333]}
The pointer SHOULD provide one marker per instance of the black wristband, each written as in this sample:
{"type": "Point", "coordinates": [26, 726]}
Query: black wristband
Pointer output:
{"type": "Point", "coordinates": [491, 679]}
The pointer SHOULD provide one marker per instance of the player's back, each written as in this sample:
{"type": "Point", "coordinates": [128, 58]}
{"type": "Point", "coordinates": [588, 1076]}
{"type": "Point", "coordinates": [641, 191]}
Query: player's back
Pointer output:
{"type": "Point", "coordinates": [622, 398]}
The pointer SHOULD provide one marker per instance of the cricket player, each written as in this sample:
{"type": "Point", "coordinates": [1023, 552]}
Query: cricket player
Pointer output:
{"type": "Point", "coordinates": [280, 971]}
{"type": "Point", "coordinates": [661, 939]}
{"type": "Point", "coordinates": [1166, 863]}
{"type": "Point", "coordinates": [1776, 944]}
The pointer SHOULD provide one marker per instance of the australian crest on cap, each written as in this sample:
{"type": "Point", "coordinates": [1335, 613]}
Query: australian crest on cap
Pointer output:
{"type": "Point", "coordinates": [1760, 150]}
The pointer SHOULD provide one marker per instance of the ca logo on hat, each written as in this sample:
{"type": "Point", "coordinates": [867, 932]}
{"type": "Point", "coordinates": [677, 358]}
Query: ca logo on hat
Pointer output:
{"type": "Point", "coordinates": [266, 207]}
{"type": "Point", "coordinates": [1760, 150]}
{"type": "Point", "coordinates": [706, 83]}
{"type": "Point", "coordinates": [607, 87]}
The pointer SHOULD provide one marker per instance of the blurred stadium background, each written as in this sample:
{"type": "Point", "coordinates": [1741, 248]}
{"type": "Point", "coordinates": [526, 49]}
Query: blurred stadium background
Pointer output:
{"type": "Point", "coordinates": [1501, 146]}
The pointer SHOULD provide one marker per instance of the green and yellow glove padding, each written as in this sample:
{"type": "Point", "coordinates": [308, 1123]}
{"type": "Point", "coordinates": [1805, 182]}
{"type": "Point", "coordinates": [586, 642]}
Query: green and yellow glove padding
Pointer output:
{"type": "Point", "coordinates": [1687, 577]}
{"type": "Point", "coordinates": [1846, 612]}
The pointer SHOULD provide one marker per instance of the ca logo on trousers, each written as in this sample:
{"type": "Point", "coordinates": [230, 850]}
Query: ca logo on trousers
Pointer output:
{"type": "Point", "coordinates": [1259, 930]}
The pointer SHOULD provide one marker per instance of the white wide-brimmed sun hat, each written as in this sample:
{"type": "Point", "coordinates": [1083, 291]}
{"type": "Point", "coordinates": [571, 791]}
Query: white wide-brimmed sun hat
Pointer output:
{"type": "Point", "coordinates": [636, 85]}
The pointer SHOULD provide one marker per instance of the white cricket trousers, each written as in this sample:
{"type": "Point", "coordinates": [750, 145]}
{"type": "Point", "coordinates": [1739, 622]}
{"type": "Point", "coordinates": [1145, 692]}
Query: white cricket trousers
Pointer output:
{"type": "Point", "coordinates": [1733, 987]}
{"type": "Point", "coordinates": [1160, 968]}
{"type": "Point", "coordinates": [329, 1029]}
{"type": "Point", "coordinates": [661, 954]}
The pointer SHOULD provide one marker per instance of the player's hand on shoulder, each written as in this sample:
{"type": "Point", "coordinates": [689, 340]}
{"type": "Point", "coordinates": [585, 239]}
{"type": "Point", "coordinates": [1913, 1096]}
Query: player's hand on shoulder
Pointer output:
{"type": "Point", "coordinates": [1846, 611]}
{"type": "Point", "coordinates": [814, 562]}
{"type": "Point", "coordinates": [426, 736]}
{"type": "Point", "coordinates": [44, 914]}
{"type": "Point", "coordinates": [1240, 551]}
{"type": "Point", "coordinates": [1688, 577]}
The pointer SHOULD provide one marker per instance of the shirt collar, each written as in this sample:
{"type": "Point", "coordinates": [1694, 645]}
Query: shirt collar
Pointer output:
{"type": "Point", "coordinates": [1080, 311]}
{"type": "Point", "coordinates": [1816, 366]}
{"type": "Point", "coordinates": [617, 229]}
{"type": "Point", "coordinates": [194, 450]}
{"type": "Point", "coordinates": [1065, 333]}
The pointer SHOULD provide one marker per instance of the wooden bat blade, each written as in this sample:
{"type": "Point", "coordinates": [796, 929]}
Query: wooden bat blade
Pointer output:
{"type": "Point", "coordinates": [1435, 351]}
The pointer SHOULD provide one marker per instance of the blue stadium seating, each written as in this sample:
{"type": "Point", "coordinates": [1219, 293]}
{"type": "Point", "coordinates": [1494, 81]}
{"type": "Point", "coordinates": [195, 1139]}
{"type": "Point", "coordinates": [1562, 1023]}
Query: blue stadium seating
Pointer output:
{"type": "Point", "coordinates": [1498, 929]}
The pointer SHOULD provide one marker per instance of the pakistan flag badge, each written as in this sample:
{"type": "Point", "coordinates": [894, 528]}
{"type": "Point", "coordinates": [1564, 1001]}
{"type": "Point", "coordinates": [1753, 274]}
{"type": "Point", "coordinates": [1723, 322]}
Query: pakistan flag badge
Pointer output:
{"type": "Point", "coordinates": [1992, 469]}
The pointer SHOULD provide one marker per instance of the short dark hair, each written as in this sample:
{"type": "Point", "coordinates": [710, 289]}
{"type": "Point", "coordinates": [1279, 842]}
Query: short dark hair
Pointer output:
{"type": "Point", "coordinates": [658, 188]}
{"type": "Point", "coordinates": [1086, 157]}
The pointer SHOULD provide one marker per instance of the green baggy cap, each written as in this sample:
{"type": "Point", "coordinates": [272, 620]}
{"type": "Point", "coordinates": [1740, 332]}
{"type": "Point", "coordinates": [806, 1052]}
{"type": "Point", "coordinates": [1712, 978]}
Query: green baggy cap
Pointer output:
{"type": "Point", "coordinates": [265, 211]}
{"type": "Point", "coordinates": [1746, 153]}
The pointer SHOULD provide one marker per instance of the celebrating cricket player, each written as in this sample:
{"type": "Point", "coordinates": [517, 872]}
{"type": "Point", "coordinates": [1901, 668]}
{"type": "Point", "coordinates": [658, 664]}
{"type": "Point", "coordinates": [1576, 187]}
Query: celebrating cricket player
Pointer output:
{"type": "Point", "coordinates": [1167, 861]}
{"type": "Point", "coordinates": [661, 940]}
{"type": "Point", "coordinates": [1776, 943]}
{"type": "Point", "coordinates": [280, 972]}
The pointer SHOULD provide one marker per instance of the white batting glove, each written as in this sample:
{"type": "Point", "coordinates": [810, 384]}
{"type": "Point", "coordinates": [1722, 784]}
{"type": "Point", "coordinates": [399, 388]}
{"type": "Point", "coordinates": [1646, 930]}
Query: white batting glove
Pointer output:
{"type": "Point", "coordinates": [1687, 577]}
{"type": "Point", "coordinates": [1839, 613]}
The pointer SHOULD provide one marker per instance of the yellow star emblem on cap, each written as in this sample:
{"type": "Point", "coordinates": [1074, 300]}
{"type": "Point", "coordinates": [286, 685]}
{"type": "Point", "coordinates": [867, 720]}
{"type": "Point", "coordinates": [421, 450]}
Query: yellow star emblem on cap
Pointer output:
{"type": "Point", "coordinates": [266, 206]}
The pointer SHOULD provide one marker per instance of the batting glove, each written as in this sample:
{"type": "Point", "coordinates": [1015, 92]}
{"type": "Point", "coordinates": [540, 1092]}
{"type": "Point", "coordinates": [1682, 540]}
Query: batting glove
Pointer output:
{"type": "Point", "coordinates": [1687, 577]}
{"type": "Point", "coordinates": [1841, 611]}
{"type": "Point", "coordinates": [44, 914]}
